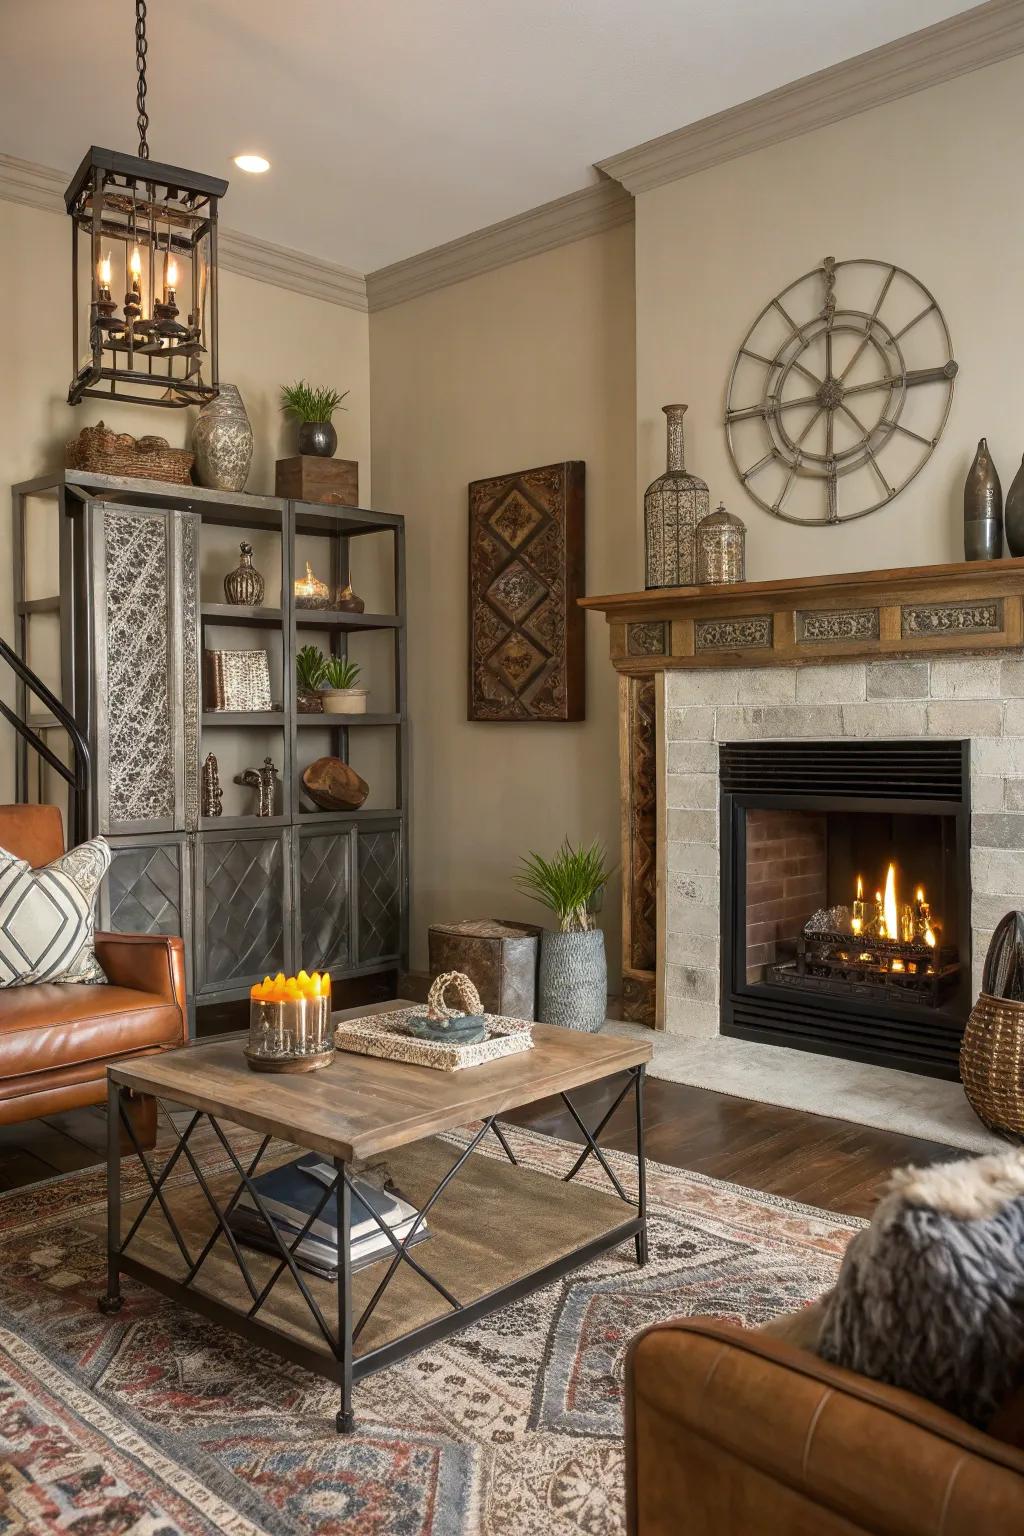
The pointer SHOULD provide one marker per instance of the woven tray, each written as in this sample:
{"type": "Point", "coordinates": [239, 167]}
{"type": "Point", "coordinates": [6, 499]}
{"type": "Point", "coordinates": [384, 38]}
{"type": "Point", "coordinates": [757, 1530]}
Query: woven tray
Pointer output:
{"type": "Point", "coordinates": [380, 1034]}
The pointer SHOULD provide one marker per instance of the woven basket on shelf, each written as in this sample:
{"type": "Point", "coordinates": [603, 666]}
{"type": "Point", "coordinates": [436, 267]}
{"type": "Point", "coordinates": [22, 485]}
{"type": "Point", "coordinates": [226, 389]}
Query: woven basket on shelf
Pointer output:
{"type": "Point", "coordinates": [992, 1064]}
{"type": "Point", "coordinates": [99, 451]}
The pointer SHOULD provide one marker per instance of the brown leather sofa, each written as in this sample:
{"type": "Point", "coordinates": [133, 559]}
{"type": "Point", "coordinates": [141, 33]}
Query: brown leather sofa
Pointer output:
{"type": "Point", "coordinates": [55, 1041]}
{"type": "Point", "coordinates": [731, 1432]}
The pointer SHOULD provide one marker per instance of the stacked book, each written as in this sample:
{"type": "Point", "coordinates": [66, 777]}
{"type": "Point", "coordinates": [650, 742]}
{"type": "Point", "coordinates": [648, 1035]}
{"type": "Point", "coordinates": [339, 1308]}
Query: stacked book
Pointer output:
{"type": "Point", "coordinates": [290, 1194]}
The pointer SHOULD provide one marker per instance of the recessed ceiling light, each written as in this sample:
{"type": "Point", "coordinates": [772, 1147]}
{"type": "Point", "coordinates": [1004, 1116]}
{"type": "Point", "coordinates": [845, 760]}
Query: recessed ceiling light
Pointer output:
{"type": "Point", "coordinates": [252, 163]}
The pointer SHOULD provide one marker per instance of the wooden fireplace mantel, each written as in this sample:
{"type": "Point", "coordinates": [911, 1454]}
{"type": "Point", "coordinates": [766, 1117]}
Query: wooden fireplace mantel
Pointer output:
{"type": "Point", "coordinates": [970, 606]}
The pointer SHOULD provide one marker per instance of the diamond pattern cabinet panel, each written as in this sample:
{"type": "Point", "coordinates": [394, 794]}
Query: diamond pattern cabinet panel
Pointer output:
{"type": "Point", "coordinates": [144, 890]}
{"type": "Point", "coordinates": [380, 894]}
{"type": "Point", "coordinates": [325, 901]}
{"type": "Point", "coordinates": [242, 910]}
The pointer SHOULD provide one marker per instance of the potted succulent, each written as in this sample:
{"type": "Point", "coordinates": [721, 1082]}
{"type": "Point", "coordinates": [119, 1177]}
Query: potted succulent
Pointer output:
{"type": "Point", "coordinates": [338, 687]}
{"type": "Point", "coordinates": [313, 406]}
{"type": "Point", "coordinates": [573, 981]}
{"type": "Point", "coordinates": [309, 674]}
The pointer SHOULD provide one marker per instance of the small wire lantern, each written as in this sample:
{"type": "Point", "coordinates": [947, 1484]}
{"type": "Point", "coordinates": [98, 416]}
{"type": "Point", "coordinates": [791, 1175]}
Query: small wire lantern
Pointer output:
{"type": "Point", "coordinates": [721, 548]}
{"type": "Point", "coordinates": [673, 506]}
{"type": "Point", "coordinates": [150, 231]}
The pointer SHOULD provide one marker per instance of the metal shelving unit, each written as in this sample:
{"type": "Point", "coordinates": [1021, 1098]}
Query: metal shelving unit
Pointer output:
{"type": "Point", "coordinates": [250, 894]}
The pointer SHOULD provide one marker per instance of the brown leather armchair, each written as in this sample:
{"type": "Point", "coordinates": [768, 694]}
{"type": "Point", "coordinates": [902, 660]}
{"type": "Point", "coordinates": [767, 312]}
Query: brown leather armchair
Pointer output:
{"type": "Point", "coordinates": [56, 1040]}
{"type": "Point", "coordinates": [731, 1432]}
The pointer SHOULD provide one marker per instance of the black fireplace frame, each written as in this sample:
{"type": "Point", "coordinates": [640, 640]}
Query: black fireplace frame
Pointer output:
{"type": "Point", "coordinates": [914, 1038]}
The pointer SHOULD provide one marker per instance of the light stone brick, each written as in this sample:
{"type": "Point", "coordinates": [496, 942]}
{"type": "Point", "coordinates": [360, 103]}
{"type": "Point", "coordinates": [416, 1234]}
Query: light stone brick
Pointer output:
{"type": "Point", "coordinates": [961, 717]}
{"type": "Point", "coordinates": [779, 721]}
{"type": "Point", "coordinates": [766, 685]}
{"type": "Point", "coordinates": [1013, 717]}
{"type": "Point", "coordinates": [1013, 794]}
{"type": "Point", "coordinates": [981, 938]}
{"type": "Point", "coordinates": [987, 793]}
{"type": "Point", "coordinates": [883, 719]}
{"type": "Point", "coordinates": [965, 677]}
{"type": "Point", "coordinates": [691, 791]}
{"type": "Point", "coordinates": [897, 680]}
{"type": "Point", "coordinates": [703, 889]}
{"type": "Point", "coordinates": [1004, 830]}
{"type": "Point", "coordinates": [987, 910]}
{"type": "Point", "coordinates": [1012, 679]}
{"type": "Point", "coordinates": [686, 686]}
{"type": "Point", "coordinates": [688, 858]}
{"type": "Point", "coordinates": [698, 984]}
{"type": "Point", "coordinates": [687, 920]}
{"type": "Point", "coordinates": [684, 1017]}
{"type": "Point", "coordinates": [690, 724]}
{"type": "Point", "coordinates": [997, 755]}
{"type": "Point", "coordinates": [691, 757]}
{"type": "Point", "coordinates": [831, 684]}
{"type": "Point", "coordinates": [700, 949]}
{"type": "Point", "coordinates": [997, 872]}
{"type": "Point", "coordinates": [697, 827]}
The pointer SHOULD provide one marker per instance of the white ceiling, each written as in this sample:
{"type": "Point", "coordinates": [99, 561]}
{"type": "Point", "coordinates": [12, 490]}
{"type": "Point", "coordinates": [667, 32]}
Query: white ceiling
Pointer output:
{"type": "Point", "coordinates": [396, 125]}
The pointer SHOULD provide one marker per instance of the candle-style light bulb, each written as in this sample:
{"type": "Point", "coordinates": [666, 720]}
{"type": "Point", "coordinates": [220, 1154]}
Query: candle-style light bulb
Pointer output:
{"type": "Point", "coordinates": [171, 274]}
{"type": "Point", "coordinates": [103, 271]}
{"type": "Point", "coordinates": [135, 266]}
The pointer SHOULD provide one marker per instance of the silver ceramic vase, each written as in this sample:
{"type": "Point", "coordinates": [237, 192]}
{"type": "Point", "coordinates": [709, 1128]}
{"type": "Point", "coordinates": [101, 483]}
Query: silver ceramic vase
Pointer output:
{"type": "Point", "coordinates": [573, 981]}
{"type": "Point", "coordinates": [222, 442]}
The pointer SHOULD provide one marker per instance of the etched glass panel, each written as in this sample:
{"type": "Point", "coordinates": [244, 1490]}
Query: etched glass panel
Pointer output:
{"type": "Point", "coordinates": [380, 886]}
{"type": "Point", "coordinates": [243, 909]}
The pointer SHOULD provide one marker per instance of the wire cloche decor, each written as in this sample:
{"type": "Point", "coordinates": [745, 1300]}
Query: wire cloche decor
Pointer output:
{"type": "Point", "coordinates": [839, 392]}
{"type": "Point", "coordinates": [146, 231]}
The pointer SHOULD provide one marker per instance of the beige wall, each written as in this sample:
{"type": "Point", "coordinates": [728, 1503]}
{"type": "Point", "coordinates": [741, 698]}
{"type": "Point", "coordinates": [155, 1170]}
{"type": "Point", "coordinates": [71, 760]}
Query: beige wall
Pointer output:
{"type": "Point", "coordinates": [526, 365]}
{"type": "Point", "coordinates": [267, 337]}
{"type": "Point", "coordinates": [931, 183]}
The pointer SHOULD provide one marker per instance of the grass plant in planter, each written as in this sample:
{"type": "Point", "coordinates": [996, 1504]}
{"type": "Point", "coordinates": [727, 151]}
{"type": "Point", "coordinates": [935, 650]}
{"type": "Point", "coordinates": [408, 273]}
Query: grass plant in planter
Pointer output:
{"type": "Point", "coordinates": [314, 406]}
{"type": "Point", "coordinates": [573, 982]}
{"type": "Point", "coordinates": [338, 687]}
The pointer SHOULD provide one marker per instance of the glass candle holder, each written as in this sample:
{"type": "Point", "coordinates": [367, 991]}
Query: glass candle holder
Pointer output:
{"type": "Point", "coordinates": [289, 1033]}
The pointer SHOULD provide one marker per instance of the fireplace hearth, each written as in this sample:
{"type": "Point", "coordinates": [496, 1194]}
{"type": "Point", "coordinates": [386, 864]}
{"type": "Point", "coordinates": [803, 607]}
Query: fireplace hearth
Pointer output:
{"type": "Point", "coordinates": [845, 897]}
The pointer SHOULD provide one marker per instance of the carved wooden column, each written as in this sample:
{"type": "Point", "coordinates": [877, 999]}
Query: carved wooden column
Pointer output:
{"type": "Point", "coordinates": [638, 770]}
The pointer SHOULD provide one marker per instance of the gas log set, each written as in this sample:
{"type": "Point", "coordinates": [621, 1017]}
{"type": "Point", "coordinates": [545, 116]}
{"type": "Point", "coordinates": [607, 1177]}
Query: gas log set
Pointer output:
{"type": "Point", "coordinates": [887, 949]}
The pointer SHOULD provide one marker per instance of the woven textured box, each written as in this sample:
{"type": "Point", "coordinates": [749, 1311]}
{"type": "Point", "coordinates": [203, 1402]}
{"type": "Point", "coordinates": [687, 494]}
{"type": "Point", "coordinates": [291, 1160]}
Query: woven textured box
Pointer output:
{"type": "Point", "coordinates": [499, 957]}
{"type": "Point", "coordinates": [381, 1034]}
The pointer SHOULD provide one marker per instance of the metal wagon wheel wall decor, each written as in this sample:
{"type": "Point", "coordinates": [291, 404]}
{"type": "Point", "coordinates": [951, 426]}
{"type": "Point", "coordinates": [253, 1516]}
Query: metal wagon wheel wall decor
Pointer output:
{"type": "Point", "coordinates": [840, 392]}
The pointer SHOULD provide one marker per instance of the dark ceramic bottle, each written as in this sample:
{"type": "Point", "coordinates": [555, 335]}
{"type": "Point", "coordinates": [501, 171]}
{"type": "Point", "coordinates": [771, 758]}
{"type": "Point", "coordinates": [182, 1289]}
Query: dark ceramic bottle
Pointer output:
{"type": "Point", "coordinates": [1014, 519]}
{"type": "Point", "coordinates": [983, 508]}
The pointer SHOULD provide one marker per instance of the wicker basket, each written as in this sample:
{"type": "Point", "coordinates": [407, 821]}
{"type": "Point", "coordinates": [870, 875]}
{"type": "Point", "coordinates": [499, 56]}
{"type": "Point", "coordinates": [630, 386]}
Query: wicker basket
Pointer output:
{"type": "Point", "coordinates": [99, 451]}
{"type": "Point", "coordinates": [992, 1064]}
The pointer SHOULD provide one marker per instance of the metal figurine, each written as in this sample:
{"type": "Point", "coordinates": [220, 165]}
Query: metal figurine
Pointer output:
{"type": "Point", "coordinates": [264, 781]}
{"type": "Point", "coordinates": [245, 585]}
{"type": "Point", "coordinates": [212, 794]}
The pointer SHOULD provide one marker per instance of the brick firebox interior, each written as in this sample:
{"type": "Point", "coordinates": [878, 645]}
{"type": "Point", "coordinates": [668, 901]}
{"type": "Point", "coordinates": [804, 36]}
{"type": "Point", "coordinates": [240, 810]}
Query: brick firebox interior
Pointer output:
{"type": "Point", "coordinates": [787, 880]}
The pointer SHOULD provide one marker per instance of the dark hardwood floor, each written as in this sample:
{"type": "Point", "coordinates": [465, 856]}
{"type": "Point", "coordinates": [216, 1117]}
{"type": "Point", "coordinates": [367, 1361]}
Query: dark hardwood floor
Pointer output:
{"type": "Point", "coordinates": [824, 1162]}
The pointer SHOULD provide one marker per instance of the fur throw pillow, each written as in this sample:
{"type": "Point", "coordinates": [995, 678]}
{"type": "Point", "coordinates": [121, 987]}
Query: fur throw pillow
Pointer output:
{"type": "Point", "coordinates": [930, 1296]}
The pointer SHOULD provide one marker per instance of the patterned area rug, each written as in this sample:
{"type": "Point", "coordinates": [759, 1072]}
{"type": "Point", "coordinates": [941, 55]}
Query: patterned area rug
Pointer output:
{"type": "Point", "coordinates": [156, 1422]}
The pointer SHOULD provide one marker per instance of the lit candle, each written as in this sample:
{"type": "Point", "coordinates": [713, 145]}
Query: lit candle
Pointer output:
{"type": "Point", "coordinates": [170, 278]}
{"type": "Point", "coordinates": [103, 272]}
{"type": "Point", "coordinates": [857, 921]}
{"type": "Point", "coordinates": [135, 267]}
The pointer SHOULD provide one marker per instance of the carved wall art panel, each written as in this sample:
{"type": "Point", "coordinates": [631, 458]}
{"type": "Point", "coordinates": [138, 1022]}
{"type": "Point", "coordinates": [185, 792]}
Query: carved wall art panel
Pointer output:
{"type": "Point", "coordinates": [646, 639]}
{"type": "Point", "coordinates": [821, 628]}
{"type": "Point", "coordinates": [754, 633]}
{"type": "Point", "coordinates": [526, 570]}
{"type": "Point", "coordinates": [643, 826]}
{"type": "Point", "coordinates": [190, 665]}
{"type": "Point", "coordinates": [141, 776]}
{"type": "Point", "coordinates": [951, 618]}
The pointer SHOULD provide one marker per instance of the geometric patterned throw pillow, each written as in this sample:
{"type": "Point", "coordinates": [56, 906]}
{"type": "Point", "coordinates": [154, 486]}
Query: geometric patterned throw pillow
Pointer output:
{"type": "Point", "coordinates": [48, 916]}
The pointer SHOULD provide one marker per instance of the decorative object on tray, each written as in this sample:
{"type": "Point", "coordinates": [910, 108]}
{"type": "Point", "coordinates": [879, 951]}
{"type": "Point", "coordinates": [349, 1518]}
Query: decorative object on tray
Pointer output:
{"type": "Point", "coordinates": [346, 600]}
{"type": "Point", "coordinates": [673, 506]}
{"type": "Point", "coordinates": [983, 508]}
{"type": "Point", "coordinates": [501, 958]}
{"type": "Point", "coordinates": [721, 548]}
{"type": "Point", "coordinates": [309, 671]}
{"type": "Point", "coordinates": [464, 1025]}
{"type": "Point", "coordinates": [327, 482]}
{"type": "Point", "coordinates": [310, 591]}
{"type": "Point", "coordinates": [244, 586]}
{"type": "Point", "coordinates": [314, 406]}
{"type": "Point", "coordinates": [264, 781]}
{"type": "Point", "coordinates": [526, 564]}
{"type": "Point", "coordinates": [1013, 514]}
{"type": "Point", "coordinates": [212, 794]}
{"type": "Point", "coordinates": [387, 1035]}
{"type": "Point", "coordinates": [338, 687]}
{"type": "Point", "coordinates": [819, 386]}
{"type": "Point", "coordinates": [290, 1023]}
{"type": "Point", "coordinates": [573, 980]}
{"type": "Point", "coordinates": [237, 681]}
{"type": "Point", "coordinates": [99, 451]}
{"type": "Point", "coordinates": [164, 220]}
{"type": "Point", "coordinates": [992, 1051]}
{"type": "Point", "coordinates": [223, 442]}
{"type": "Point", "coordinates": [333, 785]}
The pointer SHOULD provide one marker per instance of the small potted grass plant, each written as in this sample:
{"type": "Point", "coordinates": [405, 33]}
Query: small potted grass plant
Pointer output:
{"type": "Point", "coordinates": [573, 981]}
{"type": "Point", "coordinates": [314, 406]}
{"type": "Point", "coordinates": [338, 687]}
{"type": "Point", "coordinates": [309, 674]}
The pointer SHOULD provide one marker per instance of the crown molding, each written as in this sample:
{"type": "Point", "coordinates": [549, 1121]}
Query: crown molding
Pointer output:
{"type": "Point", "coordinates": [588, 212]}
{"type": "Point", "coordinates": [40, 186]}
{"type": "Point", "coordinates": [969, 41]}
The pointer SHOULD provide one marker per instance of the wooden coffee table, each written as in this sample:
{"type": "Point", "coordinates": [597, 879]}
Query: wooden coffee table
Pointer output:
{"type": "Point", "coordinates": [503, 1230]}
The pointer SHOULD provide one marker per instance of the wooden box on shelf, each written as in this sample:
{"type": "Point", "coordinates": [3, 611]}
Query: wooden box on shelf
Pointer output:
{"type": "Point", "coordinates": [332, 482]}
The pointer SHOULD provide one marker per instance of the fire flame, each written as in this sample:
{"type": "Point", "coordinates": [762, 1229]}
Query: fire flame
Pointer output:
{"type": "Point", "coordinates": [892, 930]}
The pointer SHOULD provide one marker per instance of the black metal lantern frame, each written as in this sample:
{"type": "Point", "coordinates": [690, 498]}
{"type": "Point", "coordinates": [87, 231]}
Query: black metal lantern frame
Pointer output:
{"type": "Point", "coordinates": [153, 226]}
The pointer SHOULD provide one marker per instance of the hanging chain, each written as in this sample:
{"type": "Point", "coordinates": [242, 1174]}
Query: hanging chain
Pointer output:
{"type": "Point", "coordinates": [141, 47]}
